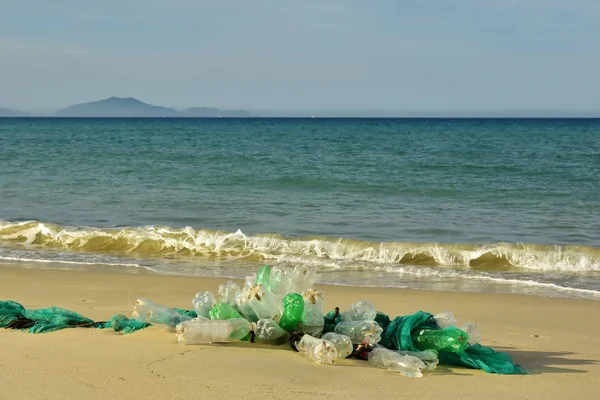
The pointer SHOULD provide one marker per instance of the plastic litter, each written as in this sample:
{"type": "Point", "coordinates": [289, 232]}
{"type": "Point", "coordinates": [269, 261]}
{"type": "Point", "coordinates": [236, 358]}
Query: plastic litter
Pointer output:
{"type": "Point", "coordinates": [320, 351]}
{"type": "Point", "coordinates": [206, 331]}
{"type": "Point", "coordinates": [406, 365]}
{"type": "Point", "coordinates": [360, 332]}
{"type": "Point", "coordinates": [147, 311]}
{"type": "Point", "coordinates": [269, 331]}
{"type": "Point", "coordinates": [342, 343]}
{"type": "Point", "coordinates": [203, 303]}
{"type": "Point", "coordinates": [290, 309]}
{"type": "Point", "coordinates": [360, 311]}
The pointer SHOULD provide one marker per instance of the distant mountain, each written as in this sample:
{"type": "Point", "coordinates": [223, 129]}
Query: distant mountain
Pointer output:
{"type": "Point", "coordinates": [7, 112]}
{"type": "Point", "coordinates": [130, 107]}
{"type": "Point", "coordinates": [205, 112]}
{"type": "Point", "coordinates": [116, 107]}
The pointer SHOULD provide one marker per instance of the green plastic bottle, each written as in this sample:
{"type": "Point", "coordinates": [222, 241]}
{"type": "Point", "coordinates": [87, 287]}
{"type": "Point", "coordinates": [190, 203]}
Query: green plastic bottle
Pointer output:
{"type": "Point", "coordinates": [263, 276]}
{"type": "Point", "coordinates": [451, 339]}
{"type": "Point", "coordinates": [221, 311]}
{"type": "Point", "coordinates": [293, 309]}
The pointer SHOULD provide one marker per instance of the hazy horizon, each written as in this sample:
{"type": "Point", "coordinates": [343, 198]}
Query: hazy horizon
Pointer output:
{"type": "Point", "coordinates": [417, 57]}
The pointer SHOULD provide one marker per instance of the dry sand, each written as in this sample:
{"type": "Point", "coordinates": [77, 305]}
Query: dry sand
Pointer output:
{"type": "Point", "coordinates": [557, 340]}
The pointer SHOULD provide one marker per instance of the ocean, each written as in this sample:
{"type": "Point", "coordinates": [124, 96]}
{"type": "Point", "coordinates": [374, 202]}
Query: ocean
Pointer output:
{"type": "Point", "coordinates": [470, 205]}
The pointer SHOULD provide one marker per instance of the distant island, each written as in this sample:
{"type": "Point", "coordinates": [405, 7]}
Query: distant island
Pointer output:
{"type": "Point", "coordinates": [119, 107]}
{"type": "Point", "coordinates": [7, 112]}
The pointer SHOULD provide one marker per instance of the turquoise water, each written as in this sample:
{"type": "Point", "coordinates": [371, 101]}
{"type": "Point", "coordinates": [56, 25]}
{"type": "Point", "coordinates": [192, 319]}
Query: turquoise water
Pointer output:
{"type": "Point", "coordinates": [509, 206]}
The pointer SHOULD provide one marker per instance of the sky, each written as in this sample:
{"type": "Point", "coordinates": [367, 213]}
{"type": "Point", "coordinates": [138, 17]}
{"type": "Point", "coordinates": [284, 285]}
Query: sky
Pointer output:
{"type": "Point", "coordinates": [406, 56]}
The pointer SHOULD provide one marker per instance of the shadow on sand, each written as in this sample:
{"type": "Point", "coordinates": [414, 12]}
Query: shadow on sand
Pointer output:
{"type": "Point", "coordinates": [550, 362]}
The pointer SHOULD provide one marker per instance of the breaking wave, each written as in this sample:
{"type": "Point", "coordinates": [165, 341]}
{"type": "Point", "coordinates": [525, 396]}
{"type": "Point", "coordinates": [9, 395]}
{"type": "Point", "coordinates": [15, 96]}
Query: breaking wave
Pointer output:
{"type": "Point", "coordinates": [219, 245]}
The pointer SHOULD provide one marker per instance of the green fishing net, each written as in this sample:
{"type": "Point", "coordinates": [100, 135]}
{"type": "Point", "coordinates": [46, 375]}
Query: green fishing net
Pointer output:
{"type": "Point", "coordinates": [398, 336]}
{"type": "Point", "coordinates": [14, 316]}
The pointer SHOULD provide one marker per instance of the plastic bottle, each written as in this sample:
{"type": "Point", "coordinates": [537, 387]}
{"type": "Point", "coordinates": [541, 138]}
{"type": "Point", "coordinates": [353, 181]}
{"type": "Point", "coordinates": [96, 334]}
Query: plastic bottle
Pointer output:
{"type": "Point", "coordinates": [429, 357]}
{"type": "Point", "coordinates": [243, 306]}
{"type": "Point", "coordinates": [342, 343]}
{"type": "Point", "coordinates": [302, 278]}
{"type": "Point", "coordinates": [198, 332]}
{"type": "Point", "coordinates": [406, 365]}
{"type": "Point", "coordinates": [360, 311]}
{"type": "Point", "coordinates": [264, 304]}
{"type": "Point", "coordinates": [473, 331]}
{"type": "Point", "coordinates": [263, 276]}
{"type": "Point", "coordinates": [222, 311]}
{"type": "Point", "coordinates": [445, 319]}
{"type": "Point", "coordinates": [228, 292]}
{"type": "Point", "coordinates": [279, 281]}
{"type": "Point", "coordinates": [293, 310]}
{"type": "Point", "coordinates": [267, 330]}
{"type": "Point", "coordinates": [319, 350]}
{"type": "Point", "coordinates": [203, 303]}
{"type": "Point", "coordinates": [146, 311]}
{"type": "Point", "coordinates": [312, 318]}
{"type": "Point", "coordinates": [450, 339]}
{"type": "Point", "coordinates": [360, 332]}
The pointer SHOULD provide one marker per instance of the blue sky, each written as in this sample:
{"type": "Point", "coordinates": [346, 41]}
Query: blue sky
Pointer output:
{"type": "Point", "coordinates": [462, 56]}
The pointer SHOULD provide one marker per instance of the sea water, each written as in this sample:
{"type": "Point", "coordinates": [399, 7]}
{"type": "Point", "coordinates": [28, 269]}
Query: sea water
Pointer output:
{"type": "Point", "coordinates": [493, 205]}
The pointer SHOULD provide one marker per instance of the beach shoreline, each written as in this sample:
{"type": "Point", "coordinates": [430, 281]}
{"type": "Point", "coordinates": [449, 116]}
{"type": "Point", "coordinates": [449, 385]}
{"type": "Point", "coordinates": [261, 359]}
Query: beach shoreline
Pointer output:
{"type": "Point", "coordinates": [554, 339]}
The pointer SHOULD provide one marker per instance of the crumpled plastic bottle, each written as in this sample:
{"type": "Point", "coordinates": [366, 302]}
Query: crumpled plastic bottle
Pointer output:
{"type": "Point", "coordinates": [312, 318]}
{"type": "Point", "coordinates": [279, 281]}
{"type": "Point", "coordinates": [206, 331]}
{"type": "Point", "coordinates": [473, 331]}
{"type": "Point", "coordinates": [203, 303]}
{"type": "Point", "coordinates": [293, 310]}
{"type": "Point", "coordinates": [342, 343]}
{"type": "Point", "coordinates": [360, 311]}
{"type": "Point", "coordinates": [264, 304]}
{"type": "Point", "coordinates": [445, 319]}
{"type": "Point", "coordinates": [146, 311]}
{"type": "Point", "coordinates": [302, 278]}
{"type": "Point", "coordinates": [319, 350]}
{"type": "Point", "coordinates": [360, 332]}
{"type": "Point", "coordinates": [242, 305]}
{"type": "Point", "coordinates": [228, 292]}
{"type": "Point", "coordinates": [429, 357]}
{"type": "Point", "coordinates": [406, 365]}
{"type": "Point", "coordinates": [450, 339]}
{"type": "Point", "coordinates": [267, 330]}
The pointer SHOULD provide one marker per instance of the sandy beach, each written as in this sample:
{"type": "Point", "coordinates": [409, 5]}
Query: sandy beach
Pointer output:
{"type": "Point", "coordinates": [556, 340]}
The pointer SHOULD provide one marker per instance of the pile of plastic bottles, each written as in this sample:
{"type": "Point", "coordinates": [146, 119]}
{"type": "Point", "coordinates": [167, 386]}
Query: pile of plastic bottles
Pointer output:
{"type": "Point", "coordinates": [278, 305]}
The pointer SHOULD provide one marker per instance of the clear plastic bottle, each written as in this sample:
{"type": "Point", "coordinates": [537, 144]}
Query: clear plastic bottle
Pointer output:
{"type": "Point", "coordinates": [360, 311]}
{"type": "Point", "coordinates": [409, 366]}
{"type": "Point", "coordinates": [360, 332]}
{"type": "Point", "coordinates": [319, 350]}
{"type": "Point", "coordinates": [203, 303]}
{"type": "Point", "coordinates": [445, 319]}
{"type": "Point", "coordinates": [312, 318]}
{"type": "Point", "coordinates": [267, 330]}
{"type": "Point", "coordinates": [473, 331]}
{"type": "Point", "coordinates": [279, 281]}
{"type": "Point", "coordinates": [342, 343]}
{"type": "Point", "coordinates": [228, 292]}
{"type": "Point", "coordinates": [429, 357]}
{"type": "Point", "coordinates": [206, 331]}
{"type": "Point", "coordinates": [264, 304]}
{"type": "Point", "coordinates": [146, 311]}
{"type": "Point", "coordinates": [302, 278]}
